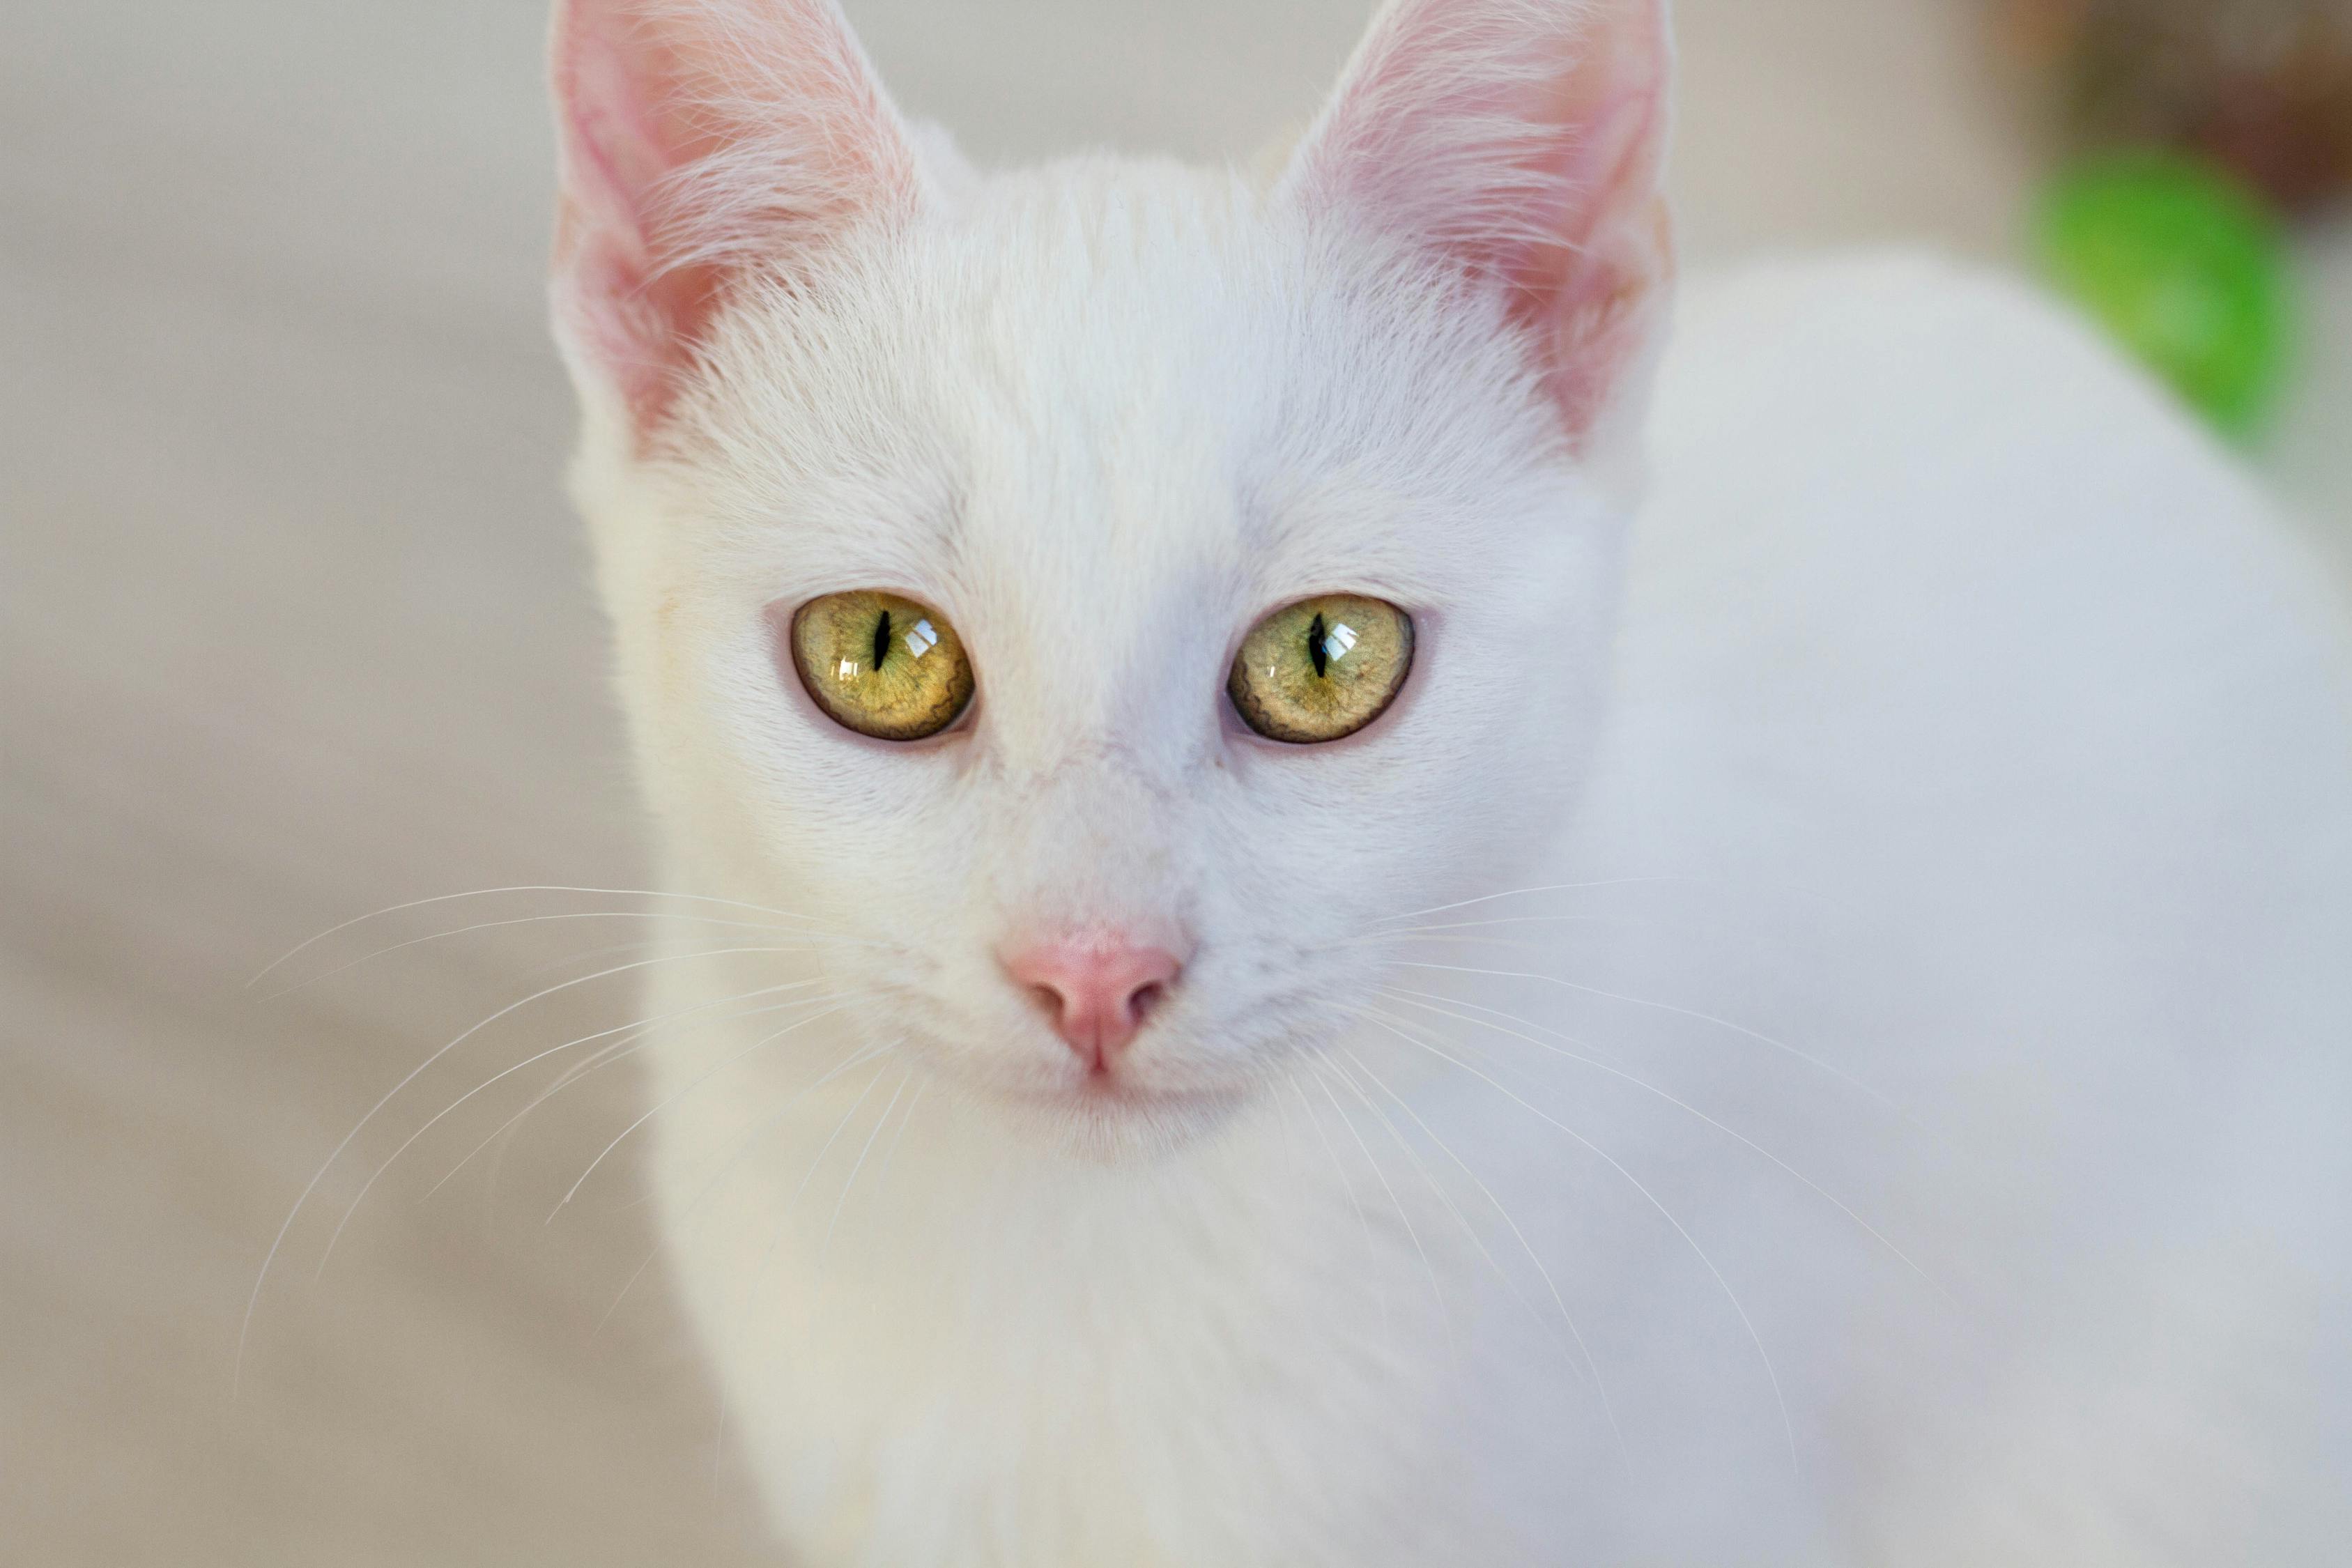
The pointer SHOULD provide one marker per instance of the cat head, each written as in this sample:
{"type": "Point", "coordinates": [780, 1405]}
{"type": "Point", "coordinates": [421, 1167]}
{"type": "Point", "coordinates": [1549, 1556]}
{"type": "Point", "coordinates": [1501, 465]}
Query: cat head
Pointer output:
{"type": "Point", "coordinates": [1094, 599]}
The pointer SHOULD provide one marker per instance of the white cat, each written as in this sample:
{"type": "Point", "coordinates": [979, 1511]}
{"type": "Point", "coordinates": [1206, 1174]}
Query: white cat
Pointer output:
{"type": "Point", "coordinates": [1323, 987]}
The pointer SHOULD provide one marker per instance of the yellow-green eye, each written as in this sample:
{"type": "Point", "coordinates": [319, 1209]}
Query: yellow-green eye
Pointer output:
{"type": "Point", "coordinates": [1321, 668]}
{"type": "Point", "coordinates": [881, 665]}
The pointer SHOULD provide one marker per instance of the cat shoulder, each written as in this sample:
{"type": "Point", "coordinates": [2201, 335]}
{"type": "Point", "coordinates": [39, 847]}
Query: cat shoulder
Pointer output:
{"type": "Point", "coordinates": [1872, 342]}
{"type": "Point", "coordinates": [1934, 414]}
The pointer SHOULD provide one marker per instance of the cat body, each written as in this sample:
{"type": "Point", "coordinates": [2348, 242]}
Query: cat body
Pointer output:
{"type": "Point", "coordinates": [1813, 1030]}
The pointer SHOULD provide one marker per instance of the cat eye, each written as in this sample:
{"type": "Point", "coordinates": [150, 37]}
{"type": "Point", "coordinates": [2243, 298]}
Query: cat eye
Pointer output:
{"type": "Point", "coordinates": [881, 665]}
{"type": "Point", "coordinates": [1321, 668]}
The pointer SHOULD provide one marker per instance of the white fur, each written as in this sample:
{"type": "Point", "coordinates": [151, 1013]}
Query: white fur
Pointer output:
{"type": "Point", "coordinates": [1949, 1009]}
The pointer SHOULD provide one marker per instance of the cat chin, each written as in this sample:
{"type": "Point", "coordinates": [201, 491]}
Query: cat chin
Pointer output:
{"type": "Point", "coordinates": [1117, 1124]}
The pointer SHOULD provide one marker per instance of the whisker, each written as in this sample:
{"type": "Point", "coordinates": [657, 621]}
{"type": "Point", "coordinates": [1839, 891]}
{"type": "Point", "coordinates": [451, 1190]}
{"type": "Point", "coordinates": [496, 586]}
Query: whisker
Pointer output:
{"type": "Point", "coordinates": [1558, 1302]}
{"type": "Point", "coordinates": [824, 1248]}
{"type": "Point", "coordinates": [1791, 889]}
{"type": "Point", "coordinates": [621, 1049]}
{"type": "Point", "coordinates": [630, 1284]}
{"type": "Point", "coordinates": [1429, 1003]}
{"type": "Point", "coordinates": [882, 1177]}
{"type": "Point", "coordinates": [307, 944]}
{"type": "Point", "coordinates": [725, 1062]}
{"type": "Point", "coordinates": [599, 954]}
{"type": "Point", "coordinates": [1787, 1425]}
{"type": "Point", "coordinates": [1289, 1138]}
{"type": "Point", "coordinates": [1759, 1037]}
{"type": "Point", "coordinates": [1529, 892]}
{"type": "Point", "coordinates": [641, 1025]}
{"type": "Point", "coordinates": [1435, 1289]}
{"type": "Point", "coordinates": [784, 1217]}
{"type": "Point", "coordinates": [727, 1164]}
{"type": "Point", "coordinates": [245, 1326]}
{"type": "Point", "coordinates": [1504, 920]}
{"type": "Point", "coordinates": [603, 1056]}
{"type": "Point", "coordinates": [842, 1125]}
{"type": "Point", "coordinates": [1355, 1200]}
{"type": "Point", "coordinates": [1515, 944]}
{"type": "Point", "coordinates": [813, 939]}
{"type": "Point", "coordinates": [1413, 1156]}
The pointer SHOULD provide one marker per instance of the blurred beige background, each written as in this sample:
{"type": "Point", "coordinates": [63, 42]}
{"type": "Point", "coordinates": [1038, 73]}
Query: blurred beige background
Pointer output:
{"type": "Point", "coordinates": [293, 625]}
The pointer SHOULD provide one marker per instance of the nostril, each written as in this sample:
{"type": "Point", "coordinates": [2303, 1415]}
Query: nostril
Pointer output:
{"type": "Point", "coordinates": [1147, 997]}
{"type": "Point", "coordinates": [1049, 1002]}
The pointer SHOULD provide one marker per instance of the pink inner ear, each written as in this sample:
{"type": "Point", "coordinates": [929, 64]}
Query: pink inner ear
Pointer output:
{"type": "Point", "coordinates": [1587, 295]}
{"type": "Point", "coordinates": [632, 324]}
{"type": "Point", "coordinates": [1523, 141]}
{"type": "Point", "coordinates": [699, 141]}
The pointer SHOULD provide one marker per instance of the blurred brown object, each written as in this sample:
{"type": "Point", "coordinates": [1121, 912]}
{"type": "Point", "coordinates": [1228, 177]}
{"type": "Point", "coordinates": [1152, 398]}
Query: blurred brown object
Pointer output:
{"type": "Point", "coordinates": [2263, 86]}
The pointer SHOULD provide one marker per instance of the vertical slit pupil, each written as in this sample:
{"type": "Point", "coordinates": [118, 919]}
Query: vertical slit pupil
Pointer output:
{"type": "Point", "coordinates": [1316, 640]}
{"type": "Point", "coordinates": [881, 639]}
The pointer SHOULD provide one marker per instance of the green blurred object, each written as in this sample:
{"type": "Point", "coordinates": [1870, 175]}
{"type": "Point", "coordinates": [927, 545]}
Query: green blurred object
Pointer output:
{"type": "Point", "coordinates": [2186, 267]}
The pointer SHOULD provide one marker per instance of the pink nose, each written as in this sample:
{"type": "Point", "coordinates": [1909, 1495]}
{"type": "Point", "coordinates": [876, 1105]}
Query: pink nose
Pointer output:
{"type": "Point", "coordinates": [1096, 993]}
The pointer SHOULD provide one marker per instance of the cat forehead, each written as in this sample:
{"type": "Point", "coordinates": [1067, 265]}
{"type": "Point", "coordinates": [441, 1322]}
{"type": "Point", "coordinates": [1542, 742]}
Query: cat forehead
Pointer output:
{"type": "Point", "coordinates": [1116, 364]}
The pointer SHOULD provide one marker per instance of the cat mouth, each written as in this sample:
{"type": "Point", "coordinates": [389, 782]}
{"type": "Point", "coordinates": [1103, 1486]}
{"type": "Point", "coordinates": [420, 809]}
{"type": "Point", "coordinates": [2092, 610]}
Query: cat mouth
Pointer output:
{"type": "Point", "coordinates": [1125, 1100]}
{"type": "Point", "coordinates": [1121, 1094]}
{"type": "Point", "coordinates": [1120, 1120]}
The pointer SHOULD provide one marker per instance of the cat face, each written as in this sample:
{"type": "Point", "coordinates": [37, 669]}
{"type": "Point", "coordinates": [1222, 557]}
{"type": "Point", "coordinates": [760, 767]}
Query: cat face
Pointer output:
{"type": "Point", "coordinates": [1098, 422]}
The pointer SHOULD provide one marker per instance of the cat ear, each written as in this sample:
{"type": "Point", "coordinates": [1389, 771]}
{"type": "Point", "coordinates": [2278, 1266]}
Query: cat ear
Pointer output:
{"type": "Point", "coordinates": [699, 142]}
{"type": "Point", "coordinates": [1522, 142]}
